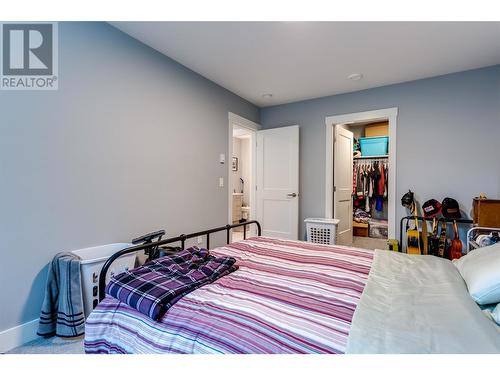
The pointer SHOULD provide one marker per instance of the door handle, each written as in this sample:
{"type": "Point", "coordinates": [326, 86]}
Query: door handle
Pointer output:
{"type": "Point", "coordinates": [291, 195]}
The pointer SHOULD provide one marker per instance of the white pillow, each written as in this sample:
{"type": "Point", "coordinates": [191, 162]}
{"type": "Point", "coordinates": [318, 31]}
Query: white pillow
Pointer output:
{"type": "Point", "coordinates": [495, 314]}
{"type": "Point", "coordinates": [480, 269]}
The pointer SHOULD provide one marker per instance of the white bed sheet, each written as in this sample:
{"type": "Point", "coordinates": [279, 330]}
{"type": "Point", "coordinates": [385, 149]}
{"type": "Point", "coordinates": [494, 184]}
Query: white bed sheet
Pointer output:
{"type": "Point", "coordinates": [419, 304]}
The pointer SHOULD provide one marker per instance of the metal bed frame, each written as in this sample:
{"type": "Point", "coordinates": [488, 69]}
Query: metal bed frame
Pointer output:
{"type": "Point", "coordinates": [471, 235]}
{"type": "Point", "coordinates": [153, 248]}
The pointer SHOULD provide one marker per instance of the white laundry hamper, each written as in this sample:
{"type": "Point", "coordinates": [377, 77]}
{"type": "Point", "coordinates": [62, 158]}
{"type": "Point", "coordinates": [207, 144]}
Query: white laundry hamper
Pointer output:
{"type": "Point", "coordinates": [322, 231]}
{"type": "Point", "coordinates": [91, 263]}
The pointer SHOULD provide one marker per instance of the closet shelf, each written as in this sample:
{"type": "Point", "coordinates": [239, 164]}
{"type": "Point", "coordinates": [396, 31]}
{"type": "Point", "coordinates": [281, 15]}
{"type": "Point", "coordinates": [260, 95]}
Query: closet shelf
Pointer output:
{"type": "Point", "coordinates": [370, 157]}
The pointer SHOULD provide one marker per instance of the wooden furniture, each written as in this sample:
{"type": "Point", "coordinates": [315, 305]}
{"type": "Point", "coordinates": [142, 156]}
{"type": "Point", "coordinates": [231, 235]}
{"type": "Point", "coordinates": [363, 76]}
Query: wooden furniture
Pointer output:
{"type": "Point", "coordinates": [360, 229]}
{"type": "Point", "coordinates": [237, 203]}
{"type": "Point", "coordinates": [486, 212]}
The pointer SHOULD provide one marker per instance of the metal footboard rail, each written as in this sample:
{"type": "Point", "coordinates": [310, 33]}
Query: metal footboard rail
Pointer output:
{"type": "Point", "coordinates": [154, 246]}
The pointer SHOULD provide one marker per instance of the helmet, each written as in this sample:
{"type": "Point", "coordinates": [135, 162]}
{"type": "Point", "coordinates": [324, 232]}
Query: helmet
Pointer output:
{"type": "Point", "coordinates": [407, 200]}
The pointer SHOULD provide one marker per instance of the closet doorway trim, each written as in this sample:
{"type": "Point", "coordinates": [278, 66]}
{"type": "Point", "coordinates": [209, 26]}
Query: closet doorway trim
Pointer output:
{"type": "Point", "coordinates": [389, 114]}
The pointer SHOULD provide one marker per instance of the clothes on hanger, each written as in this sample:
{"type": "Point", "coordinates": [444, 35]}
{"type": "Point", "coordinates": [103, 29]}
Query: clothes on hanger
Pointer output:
{"type": "Point", "coordinates": [379, 203]}
{"type": "Point", "coordinates": [354, 179]}
{"type": "Point", "coordinates": [381, 189]}
{"type": "Point", "coordinates": [359, 183]}
{"type": "Point", "coordinates": [386, 180]}
{"type": "Point", "coordinates": [371, 175]}
{"type": "Point", "coordinates": [370, 187]}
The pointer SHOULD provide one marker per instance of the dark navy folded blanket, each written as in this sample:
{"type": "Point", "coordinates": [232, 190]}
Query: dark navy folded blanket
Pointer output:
{"type": "Point", "coordinates": [157, 285]}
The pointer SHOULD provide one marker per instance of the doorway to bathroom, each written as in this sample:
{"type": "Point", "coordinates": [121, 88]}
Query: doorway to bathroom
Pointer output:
{"type": "Point", "coordinates": [242, 173]}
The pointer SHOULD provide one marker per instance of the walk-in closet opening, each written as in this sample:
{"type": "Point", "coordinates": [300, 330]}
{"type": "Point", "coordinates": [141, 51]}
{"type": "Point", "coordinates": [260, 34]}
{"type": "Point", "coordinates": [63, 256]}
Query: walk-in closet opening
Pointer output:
{"type": "Point", "coordinates": [370, 169]}
{"type": "Point", "coordinates": [361, 169]}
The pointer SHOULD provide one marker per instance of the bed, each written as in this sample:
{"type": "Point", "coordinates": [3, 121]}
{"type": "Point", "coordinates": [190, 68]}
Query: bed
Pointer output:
{"type": "Point", "coordinates": [298, 297]}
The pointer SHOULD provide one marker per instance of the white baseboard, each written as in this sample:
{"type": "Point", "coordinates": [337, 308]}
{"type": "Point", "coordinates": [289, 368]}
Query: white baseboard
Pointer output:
{"type": "Point", "coordinates": [17, 336]}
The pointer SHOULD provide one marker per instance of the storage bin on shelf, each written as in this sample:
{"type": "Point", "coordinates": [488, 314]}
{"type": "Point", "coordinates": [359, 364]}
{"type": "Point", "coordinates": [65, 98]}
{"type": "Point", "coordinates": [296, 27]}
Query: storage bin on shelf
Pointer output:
{"type": "Point", "coordinates": [321, 230]}
{"type": "Point", "coordinates": [378, 129]}
{"type": "Point", "coordinates": [92, 260]}
{"type": "Point", "coordinates": [374, 146]}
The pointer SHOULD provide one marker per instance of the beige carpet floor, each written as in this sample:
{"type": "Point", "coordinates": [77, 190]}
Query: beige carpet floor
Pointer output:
{"type": "Point", "coordinates": [52, 345]}
{"type": "Point", "coordinates": [369, 243]}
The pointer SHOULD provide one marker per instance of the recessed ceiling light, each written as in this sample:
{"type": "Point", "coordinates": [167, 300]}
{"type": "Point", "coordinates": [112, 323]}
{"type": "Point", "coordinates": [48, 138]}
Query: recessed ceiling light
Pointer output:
{"type": "Point", "coordinates": [267, 96]}
{"type": "Point", "coordinates": [355, 76]}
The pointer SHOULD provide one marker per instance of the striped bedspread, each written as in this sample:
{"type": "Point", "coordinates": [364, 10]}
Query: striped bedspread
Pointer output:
{"type": "Point", "coordinates": [286, 297]}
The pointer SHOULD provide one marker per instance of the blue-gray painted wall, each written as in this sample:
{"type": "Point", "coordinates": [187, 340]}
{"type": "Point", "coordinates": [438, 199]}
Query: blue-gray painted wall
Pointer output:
{"type": "Point", "coordinates": [129, 143]}
{"type": "Point", "coordinates": [448, 136]}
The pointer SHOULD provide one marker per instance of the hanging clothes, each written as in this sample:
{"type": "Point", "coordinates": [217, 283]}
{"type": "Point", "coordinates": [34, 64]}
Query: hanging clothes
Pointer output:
{"type": "Point", "coordinates": [354, 172]}
{"type": "Point", "coordinates": [370, 181]}
{"type": "Point", "coordinates": [359, 184]}
{"type": "Point", "coordinates": [381, 181]}
{"type": "Point", "coordinates": [376, 179]}
{"type": "Point", "coordinates": [370, 187]}
{"type": "Point", "coordinates": [386, 180]}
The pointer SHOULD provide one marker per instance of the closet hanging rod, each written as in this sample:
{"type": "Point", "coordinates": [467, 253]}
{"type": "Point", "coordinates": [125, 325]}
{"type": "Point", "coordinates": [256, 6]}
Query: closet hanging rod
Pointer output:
{"type": "Point", "coordinates": [370, 157]}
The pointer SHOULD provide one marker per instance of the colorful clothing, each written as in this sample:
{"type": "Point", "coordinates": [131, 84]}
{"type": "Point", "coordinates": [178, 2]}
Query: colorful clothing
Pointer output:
{"type": "Point", "coordinates": [157, 285]}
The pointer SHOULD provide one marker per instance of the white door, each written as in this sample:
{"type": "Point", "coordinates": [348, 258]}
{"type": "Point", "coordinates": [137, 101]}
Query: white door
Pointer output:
{"type": "Point", "coordinates": [342, 196]}
{"type": "Point", "coordinates": [278, 182]}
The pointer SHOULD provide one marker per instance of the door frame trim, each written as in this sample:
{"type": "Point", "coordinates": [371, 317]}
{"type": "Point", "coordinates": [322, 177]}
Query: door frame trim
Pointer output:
{"type": "Point", "coordinates": [234, 119]}
{"type": "Point", "coordinates": [389, 114]}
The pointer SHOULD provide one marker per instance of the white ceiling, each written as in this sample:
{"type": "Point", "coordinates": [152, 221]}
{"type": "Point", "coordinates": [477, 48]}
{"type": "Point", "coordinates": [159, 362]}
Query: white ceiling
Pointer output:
{"type": "Point", "coordinates": [303, 60]}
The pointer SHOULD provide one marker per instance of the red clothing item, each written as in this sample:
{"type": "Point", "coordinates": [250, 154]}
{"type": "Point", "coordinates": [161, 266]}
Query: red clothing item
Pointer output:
{"type": "Point", "coordinates": [381, 181]}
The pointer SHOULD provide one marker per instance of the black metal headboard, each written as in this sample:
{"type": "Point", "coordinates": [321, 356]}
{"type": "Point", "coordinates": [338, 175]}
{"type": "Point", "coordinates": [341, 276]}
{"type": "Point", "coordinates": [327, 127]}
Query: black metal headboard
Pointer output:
{"type": "Point", "coordinates": [151, 248]}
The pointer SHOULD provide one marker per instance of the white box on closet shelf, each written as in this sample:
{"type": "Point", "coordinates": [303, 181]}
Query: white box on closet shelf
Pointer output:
{"type": "Point", "coordinates": [321, 230]}
{"type": "Point", "coordinates": [91, 263]}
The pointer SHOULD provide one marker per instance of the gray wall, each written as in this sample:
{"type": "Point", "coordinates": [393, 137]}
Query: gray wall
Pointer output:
{"type": "Point", "coordinates": [448, 136]}
{"type": "Point", "coordinates": [128, 144]}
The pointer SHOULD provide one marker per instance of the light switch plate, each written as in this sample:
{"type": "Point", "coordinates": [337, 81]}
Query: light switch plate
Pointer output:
{"type": "Point", "coordinates": [222, 158]}
{"type": "Point", "coordinates": [221, 181]}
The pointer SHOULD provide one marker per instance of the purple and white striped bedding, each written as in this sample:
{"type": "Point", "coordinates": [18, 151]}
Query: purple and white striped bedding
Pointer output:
{"type": "Point", "coordinates": [286, 297]}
